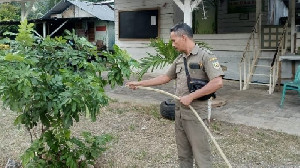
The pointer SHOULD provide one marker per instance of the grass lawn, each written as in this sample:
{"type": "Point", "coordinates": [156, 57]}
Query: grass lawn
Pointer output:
{"type": "Point", "coordinates": [143, 139]}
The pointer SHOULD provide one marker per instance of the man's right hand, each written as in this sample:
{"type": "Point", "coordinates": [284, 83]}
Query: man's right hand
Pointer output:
{"type": "Point", "coordinates": [133, 85]}
{"type": "Point", "coordinates": [162, 79]}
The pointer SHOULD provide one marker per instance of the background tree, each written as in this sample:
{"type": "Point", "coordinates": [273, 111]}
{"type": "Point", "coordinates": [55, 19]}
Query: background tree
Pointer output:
{"type": "Point", "coordinates": [9, 12]}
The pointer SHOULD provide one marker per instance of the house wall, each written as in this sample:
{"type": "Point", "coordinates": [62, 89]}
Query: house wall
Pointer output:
{"type": "Point", "coordinates": [297, 42]}
{"type": "Point", "coordinates": [139, 48]}
{"type": "Point", "coordinates": [104, 31]}
{"type": "Point", "coordinates": [277, 9]}
{"type": "Point", "coordinates": [230, 22]}
{"type": "Point", "coordinates": [101, 33]}
{"type": "Point", "coordinates": [228, 45]}
{"type": "Point", "coordinates": [111, 35]}
{"type": "Point", "coordinates": [229, 49]}
{"type": "Point", "coordinates": [74, 11]}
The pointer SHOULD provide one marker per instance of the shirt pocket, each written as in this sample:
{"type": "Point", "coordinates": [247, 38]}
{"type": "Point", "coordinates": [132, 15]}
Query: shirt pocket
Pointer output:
{"type": "Point", "coordinates": [196, 73]}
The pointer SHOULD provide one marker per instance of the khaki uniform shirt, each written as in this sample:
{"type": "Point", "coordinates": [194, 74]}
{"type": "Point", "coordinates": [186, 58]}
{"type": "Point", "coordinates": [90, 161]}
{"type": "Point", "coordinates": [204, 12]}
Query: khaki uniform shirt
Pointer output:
{"type": "Point", "coordinates": [202, 64]}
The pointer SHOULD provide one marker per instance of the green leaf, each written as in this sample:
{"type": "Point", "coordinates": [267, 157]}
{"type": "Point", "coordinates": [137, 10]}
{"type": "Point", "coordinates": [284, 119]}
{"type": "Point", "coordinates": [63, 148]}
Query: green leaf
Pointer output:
{"type": "Point", "coordinates": [45, 121]}
{"type": "Point", "coordinates": [28, 155]}
{"type": "Point", "coordinates": [11, 57]}
{"type": "Point", "coordinates": [166, 54]}
{"type": "Point", "coordinates": [87, 111]}
{"type": "Point", "coordinates": [73, 106]}
{"type": "Point", "coordinates": [95, 153]}
{"type": "Point", "coordinates": [67, 134]}
{"type": "Point", "coordinates": [18, 120]}
{"type": "Point", "coordinates": [71, 162]}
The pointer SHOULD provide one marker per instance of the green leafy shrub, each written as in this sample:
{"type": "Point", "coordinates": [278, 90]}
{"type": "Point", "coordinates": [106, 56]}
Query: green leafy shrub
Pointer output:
{"type": "Point", "coordinates": [50, 81]}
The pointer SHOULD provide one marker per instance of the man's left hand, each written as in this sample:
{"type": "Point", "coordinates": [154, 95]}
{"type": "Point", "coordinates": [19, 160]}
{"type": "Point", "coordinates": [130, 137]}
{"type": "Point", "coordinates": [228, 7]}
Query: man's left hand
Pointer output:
{"type": "Point", "coordinates": [186, 100]}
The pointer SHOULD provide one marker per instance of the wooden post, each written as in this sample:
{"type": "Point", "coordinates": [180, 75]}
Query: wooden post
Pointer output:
{"type": "Point", "coordinates": [279, 75]}
{"type": "Point", "coordinates": [44, 30]}
{"type": "Point", "coordinates": [240, 76]}
{"type": "Point", "coordinates": [258, 29]}
{"type": "Point", "coordinates": [292, 6]}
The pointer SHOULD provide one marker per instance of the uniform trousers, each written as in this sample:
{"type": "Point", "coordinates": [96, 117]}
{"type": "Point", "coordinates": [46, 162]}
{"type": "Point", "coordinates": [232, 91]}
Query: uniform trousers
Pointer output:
{"type": "Point", "coordinates": [192, 142]}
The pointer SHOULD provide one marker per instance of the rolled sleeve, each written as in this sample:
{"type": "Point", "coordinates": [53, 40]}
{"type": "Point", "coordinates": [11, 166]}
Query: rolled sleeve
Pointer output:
{"type": "Point", "coordinates": [171, 73]}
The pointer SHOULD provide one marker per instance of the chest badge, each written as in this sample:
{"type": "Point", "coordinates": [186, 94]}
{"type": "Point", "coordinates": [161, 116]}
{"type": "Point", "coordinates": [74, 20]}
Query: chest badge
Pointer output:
{"type": "Point", "coordinates": [201, 65]}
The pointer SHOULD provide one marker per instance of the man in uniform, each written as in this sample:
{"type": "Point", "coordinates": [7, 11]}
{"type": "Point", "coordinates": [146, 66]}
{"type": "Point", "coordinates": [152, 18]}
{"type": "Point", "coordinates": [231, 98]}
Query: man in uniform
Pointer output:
{"type": "Point", "coordinates": [191, 138]}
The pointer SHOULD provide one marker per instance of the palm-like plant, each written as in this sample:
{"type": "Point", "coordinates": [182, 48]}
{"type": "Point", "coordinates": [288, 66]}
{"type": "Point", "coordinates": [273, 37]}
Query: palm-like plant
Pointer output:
{"type": "Point", "coordinates": [166, 54]}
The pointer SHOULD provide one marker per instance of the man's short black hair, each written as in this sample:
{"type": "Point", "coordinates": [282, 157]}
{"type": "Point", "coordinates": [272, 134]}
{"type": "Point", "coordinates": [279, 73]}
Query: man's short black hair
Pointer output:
{"type": "Point", "coordinates": [183, 29]}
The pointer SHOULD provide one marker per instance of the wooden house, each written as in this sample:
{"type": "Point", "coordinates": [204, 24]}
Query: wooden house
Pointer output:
{"type": "Point", "coordinates": [91, 20]}
{"type": "Point", "coordinates": [249, 37]}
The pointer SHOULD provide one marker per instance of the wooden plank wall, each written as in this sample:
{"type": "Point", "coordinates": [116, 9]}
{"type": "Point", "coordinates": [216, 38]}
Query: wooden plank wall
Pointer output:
{"type": "Point", "coordinates": [224, 42]}
{"type": "Point", "coordinates": [297, 42]}
{"type": "Point", "coordinates": [139, 48]}
{"type": "Point", "coordinates": [234, 22]}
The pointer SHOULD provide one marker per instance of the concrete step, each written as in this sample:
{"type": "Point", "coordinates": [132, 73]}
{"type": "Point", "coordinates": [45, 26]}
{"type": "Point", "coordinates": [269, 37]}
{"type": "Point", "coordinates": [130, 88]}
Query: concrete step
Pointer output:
{"type": "Point", "coordinates": [264, 84]}
{"type": "Point", "coordinates": [263, 66]}
{"type": "Point", "coordinates": [261, 75]}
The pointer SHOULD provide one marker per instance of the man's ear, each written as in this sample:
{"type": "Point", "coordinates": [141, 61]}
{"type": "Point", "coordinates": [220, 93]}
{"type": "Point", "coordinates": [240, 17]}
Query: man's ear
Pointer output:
{"type": "Point", "coordinates": [184, 37]}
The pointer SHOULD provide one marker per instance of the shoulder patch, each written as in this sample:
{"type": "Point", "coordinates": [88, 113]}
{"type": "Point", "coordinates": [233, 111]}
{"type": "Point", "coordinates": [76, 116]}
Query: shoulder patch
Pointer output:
{"type": "Point", "coordinates": [216, 64]}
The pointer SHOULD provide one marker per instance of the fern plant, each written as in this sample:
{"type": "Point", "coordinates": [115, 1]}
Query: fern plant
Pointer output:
{"type": "Point", "coordinates": [165, 55]}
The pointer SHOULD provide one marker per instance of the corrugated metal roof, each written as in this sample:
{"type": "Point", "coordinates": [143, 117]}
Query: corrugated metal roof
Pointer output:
{"type": "Point", "coordinates": [103, 12]}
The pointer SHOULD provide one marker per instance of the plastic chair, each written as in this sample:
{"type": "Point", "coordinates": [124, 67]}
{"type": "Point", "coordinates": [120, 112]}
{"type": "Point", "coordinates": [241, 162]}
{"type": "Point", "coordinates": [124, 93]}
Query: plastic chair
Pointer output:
{"type": "Point", "coordinates": [294, 85]}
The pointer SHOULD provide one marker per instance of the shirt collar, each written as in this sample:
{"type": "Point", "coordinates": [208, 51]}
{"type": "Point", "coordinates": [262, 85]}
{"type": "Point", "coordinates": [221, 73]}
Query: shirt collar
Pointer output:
{"type": "Point", "coordinates": [193, 52]}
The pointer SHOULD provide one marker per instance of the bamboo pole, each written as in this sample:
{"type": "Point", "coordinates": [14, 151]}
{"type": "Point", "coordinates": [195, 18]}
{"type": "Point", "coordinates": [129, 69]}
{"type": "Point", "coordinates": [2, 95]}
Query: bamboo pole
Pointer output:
{"type": "Point", "coordinates": [198, 117]}
{"type": "Point", "coordinates": [240, 76]}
